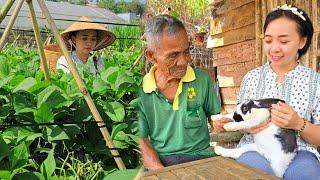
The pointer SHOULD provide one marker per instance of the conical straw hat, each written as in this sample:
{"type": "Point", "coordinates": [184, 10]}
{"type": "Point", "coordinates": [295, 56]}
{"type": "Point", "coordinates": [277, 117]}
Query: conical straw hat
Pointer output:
{"type": "Point", "coordinates": [104, 39]}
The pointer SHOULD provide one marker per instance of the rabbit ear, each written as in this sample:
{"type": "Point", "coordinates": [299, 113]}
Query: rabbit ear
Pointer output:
{"type": "Point", "coordinates": [266, 103]}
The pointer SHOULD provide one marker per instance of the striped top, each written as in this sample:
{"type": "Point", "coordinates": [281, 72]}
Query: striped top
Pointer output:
{"type": "Point", "coordinates": [300, 89]}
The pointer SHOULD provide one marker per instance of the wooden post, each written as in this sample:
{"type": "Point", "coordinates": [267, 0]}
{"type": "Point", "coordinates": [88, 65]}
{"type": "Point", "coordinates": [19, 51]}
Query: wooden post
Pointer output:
{"type": "Point", "coordinates": [258, 33]}
{"type": "Point", "coordinates": [82, 86]}
{"type": "Point", "coordinates": [314, 43]}
{"type": "Point", "coordinates": [5, 8]}
{"type": "Point", "coordinates": [10, 23]}
{"type": "Point", "coordinates": [44, 65]}
{"type": "Point", "coordinates": [263, 15]}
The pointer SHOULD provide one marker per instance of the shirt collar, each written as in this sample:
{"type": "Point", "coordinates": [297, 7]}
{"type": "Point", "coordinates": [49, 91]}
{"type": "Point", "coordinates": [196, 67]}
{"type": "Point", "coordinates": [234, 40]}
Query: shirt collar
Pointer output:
{"type": "Point", "coordinates": [149, 82]}
{"type": "Point", "coordinates": [291, 73]}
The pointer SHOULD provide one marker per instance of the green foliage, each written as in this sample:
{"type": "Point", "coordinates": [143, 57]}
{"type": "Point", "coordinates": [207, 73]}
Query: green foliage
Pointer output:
{"type": "Point", "coordinates": [69, 151]}
{"type": "Point", "coordinates": [122, 6]}
{"type": "Point", "coordinates": [128, 38]}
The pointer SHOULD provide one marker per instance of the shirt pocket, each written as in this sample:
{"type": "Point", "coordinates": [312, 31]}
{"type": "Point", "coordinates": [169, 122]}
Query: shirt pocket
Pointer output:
{"type": "Point", "coordinates": [192, 122]}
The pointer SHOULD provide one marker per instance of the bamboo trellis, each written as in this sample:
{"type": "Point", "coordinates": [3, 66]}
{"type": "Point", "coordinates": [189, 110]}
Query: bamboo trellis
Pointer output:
{"type": "Point", "coordinates": [311, 8]}
{"type": "Point", "coordinates": [73, 69]}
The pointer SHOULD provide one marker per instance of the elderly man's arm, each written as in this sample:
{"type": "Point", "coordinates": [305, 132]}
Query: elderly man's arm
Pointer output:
{"type": "Point", "coordinates": [150, 157]}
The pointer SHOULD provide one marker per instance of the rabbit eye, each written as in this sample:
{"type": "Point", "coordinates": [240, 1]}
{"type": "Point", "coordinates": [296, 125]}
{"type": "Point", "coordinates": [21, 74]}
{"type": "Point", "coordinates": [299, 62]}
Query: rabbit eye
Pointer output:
{"type": "Point", "coordinates": [245, 109]}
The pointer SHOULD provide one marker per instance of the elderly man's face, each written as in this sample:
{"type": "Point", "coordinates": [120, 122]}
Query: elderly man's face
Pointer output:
{"type": "Point", "coordinates": [172, 54]}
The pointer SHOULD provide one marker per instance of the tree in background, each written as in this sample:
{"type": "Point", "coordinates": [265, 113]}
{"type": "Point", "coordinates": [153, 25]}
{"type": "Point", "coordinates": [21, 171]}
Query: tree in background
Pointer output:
{"type": "Point", "coordinates": [79, 2]}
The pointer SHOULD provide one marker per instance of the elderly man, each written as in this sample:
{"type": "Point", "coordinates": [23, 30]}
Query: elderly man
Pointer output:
{"type": "Point", "coordinates": [175, 99]}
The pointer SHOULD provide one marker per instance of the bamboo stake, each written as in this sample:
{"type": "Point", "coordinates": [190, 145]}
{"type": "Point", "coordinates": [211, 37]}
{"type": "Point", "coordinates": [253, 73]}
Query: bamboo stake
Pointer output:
{"type": "Point", "coordinates": [10, 23]}
{"type": "Point", "coordinates": [258, 33]}
{"type": "Point", "coordinates": [5, 9]}
{"type": "Point", "coordinates": [43, 60]}
{"type": "Point", "coordinates": [82, 86]}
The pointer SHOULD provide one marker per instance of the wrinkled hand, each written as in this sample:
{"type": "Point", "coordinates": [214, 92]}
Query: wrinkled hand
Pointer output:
{"type": "Point", "coordinates": [259, 128]}
{"type": "Point", "coordinates": [285, 116]}
{"type": "Point", "coordinates": [217, 125]}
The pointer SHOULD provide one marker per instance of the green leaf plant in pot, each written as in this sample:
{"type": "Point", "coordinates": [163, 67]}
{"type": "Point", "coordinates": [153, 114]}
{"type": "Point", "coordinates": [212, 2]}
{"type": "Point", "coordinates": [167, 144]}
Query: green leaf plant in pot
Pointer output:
{"type": "Point", "coordinates": [198, 36]}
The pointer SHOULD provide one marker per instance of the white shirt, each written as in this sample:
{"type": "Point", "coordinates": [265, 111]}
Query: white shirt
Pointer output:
{"type": "Point", "coordinates": [301, 90]}
{"type": "Point", "coordinates": [63, 65]}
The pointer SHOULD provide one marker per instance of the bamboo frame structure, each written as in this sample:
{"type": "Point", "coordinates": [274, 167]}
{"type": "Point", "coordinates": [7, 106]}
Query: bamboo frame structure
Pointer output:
{"type": "Point", "coordinates": [5, 8]}
{"type": "Point", "coordinates": [72, 67]}
{"type": "Point", "coordinates": [82, 86]}
{"type": "Point", "coordinates": [35, 26]}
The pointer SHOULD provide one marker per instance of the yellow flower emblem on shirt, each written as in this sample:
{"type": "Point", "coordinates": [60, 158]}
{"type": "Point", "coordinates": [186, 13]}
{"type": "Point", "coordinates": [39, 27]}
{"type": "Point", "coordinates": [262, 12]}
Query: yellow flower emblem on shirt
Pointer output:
{"type": "Point", "coordinates": [191, 93]}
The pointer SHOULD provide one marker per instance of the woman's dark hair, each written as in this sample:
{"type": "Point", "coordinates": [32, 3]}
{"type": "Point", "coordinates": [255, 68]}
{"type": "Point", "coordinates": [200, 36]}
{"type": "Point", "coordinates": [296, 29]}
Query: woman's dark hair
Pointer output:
{"type": "Point", "coordinates": [305, 27]}
{"type": "Point", "coordinates": [73, 34]}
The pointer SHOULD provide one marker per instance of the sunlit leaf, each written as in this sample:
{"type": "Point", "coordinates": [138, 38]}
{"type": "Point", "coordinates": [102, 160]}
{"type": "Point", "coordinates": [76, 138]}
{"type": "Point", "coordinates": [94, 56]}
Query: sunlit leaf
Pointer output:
{"type": "Point", "coordinates": [48, 165]}
{"type": "Point", "coordinates": [18, 156]}
{"type": "Point", "coordinates": [115, 111]}
{"type": "Point", "coordinates": [54, 133]}
{"type": "Point", "coordinates": [117, 129]}
{"type": "Point", "coordinates": [25, 84]}
{"type": "Point", "coordinates": [43, 114]}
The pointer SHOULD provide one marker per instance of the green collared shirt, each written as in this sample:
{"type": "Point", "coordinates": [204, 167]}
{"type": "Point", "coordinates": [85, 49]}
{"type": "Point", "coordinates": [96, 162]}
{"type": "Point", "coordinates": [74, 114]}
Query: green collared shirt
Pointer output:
{"type": "Point", "coordinates": [182, 129]}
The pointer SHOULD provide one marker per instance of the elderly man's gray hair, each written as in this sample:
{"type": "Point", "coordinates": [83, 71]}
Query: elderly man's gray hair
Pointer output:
{"type": "Point", "coordinates": [157, 25]}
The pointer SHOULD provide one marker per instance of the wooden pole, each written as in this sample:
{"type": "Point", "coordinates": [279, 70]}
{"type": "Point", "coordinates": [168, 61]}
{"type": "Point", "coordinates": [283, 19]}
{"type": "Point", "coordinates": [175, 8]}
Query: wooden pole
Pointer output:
{"type": "Point", "coordinates": [263, 15]}
{"type": "Point", "coordinates": [82, 86]}
{"type": "Point", "coordinates": [5, 8]}
{"type": "Point", "coordinates": [43, 60]}
{"type": "Point", "coordinates": [258, 33]}
{"type": "Point", "coordinates": [10, 24]}
{"type": "Point", "coordinates": [314, 43]}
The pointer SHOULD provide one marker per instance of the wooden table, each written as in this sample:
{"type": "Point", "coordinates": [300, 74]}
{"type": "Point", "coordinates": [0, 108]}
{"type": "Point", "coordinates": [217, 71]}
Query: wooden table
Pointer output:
{"type": "Point", "coordinates": [219, 168]}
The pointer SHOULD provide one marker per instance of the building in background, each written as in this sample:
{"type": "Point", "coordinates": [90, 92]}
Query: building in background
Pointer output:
{"type": "Point", "coordinates": [129, 17]}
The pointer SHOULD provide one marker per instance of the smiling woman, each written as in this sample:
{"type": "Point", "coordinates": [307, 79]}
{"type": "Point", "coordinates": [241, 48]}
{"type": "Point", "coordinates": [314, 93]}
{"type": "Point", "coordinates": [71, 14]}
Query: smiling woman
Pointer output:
{"type": "Point", "coordinates": [288, 33]}
{"type": "Point", "coordinates": [82, 38]}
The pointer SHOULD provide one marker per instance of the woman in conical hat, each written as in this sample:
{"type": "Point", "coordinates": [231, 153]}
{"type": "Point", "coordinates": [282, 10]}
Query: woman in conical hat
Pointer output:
{"type": "Point", "coordinates": [81, 38]}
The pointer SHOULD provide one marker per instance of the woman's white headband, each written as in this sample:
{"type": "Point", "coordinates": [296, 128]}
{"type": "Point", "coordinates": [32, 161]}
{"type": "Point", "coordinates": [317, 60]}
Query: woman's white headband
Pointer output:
{"type": "Point", "coordinates": [294, 10]}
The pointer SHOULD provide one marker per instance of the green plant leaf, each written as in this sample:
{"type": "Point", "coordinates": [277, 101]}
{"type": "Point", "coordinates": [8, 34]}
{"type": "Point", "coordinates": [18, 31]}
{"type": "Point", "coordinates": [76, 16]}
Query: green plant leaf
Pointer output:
{"type": "Point", "coordinates": [123, 80]}
{"type": "Point", "coordinates": [51, 96]}
{"type": "Point", "coordinates": [135, 138]}
{"type": "Point", "coordinates": [18, 156]}
{"type": "Point", "coordinates": [99, 86]}
{"type": "Point", "coordinates": [5, 175]}
{"type": "Point", "coordinates": [72, 130]}
{"type": "Point", "coordinates": [55, 133]}
{"type": "Point", "coordinates": [29, 176]}
{"type": "Point", "coordinates": [43, 114]}
{"type": "Point", "coordinates": [118, 128]}
{"type": "Point", "coordinates": [4, 68]}
{"type": "Point", "coordinates": [17, 79]}
{"type": "Point", "coordinates": [115, 111]}
{"type": "Point", "coordinates": [110, 74]}
{"type": "Point", "coordinates": [48, 165]}
{"type": "Point", "coordinates": [39, 86]}
{"type": "Point", "coordinates": [25, 84]}
{"type": "Point", "coordinates": [4, 81]}
{"type": "Point", "coordinates": [23, 103]}
{"type": "Point", "coordinates": [4, 111]}
{"type": "Point", "coordinates": [27, 135]}
{"type": "Point", "coordinates": [4, 149]}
